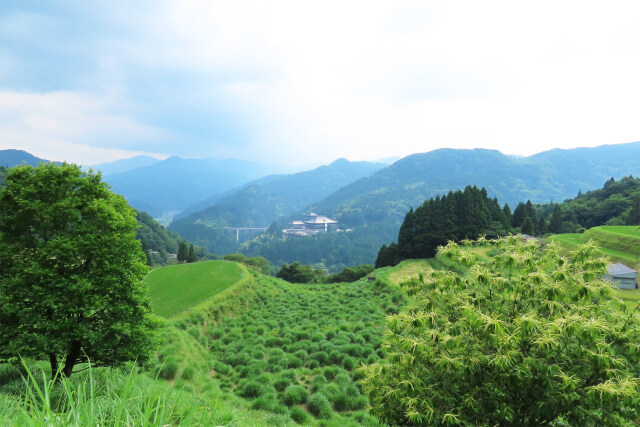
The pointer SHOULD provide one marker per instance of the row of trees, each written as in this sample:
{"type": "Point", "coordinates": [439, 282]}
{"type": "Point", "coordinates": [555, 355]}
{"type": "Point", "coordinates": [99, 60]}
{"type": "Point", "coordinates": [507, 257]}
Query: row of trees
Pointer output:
{"type": "Point", "coordinates": [299, 273]}
{"type": "Point", "coordinates": [455, 216]}
{"type": "Point", "coordinates": [186, 254]}
{"type": "Point", "coordinates": [617, 203]}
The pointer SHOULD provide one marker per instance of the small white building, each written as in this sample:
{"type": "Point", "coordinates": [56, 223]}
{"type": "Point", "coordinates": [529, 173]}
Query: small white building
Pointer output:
{"type": "Point", "coordinates": [312, 224]}
{"type": "Point", "coordinates": [622, 276]}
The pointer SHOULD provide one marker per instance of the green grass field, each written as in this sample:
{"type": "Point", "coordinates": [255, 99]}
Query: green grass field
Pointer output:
{"type": "Point", "coordinates": [175, 288]}
{"type": "Point", "coordinates": [620, 243]}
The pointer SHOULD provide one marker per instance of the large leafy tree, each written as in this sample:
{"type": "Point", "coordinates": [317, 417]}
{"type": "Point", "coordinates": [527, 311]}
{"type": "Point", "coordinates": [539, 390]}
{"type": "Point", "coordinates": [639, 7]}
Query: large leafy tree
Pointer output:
{"type": "Point", "coordinates": [528, 337]}
{"type": "Point", "coordinates": [70, 282]}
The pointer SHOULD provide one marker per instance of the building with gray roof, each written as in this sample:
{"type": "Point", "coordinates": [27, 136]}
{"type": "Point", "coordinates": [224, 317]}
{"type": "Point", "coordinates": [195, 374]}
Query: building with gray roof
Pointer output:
{"type": "Point", "coordinates": [622, 276]}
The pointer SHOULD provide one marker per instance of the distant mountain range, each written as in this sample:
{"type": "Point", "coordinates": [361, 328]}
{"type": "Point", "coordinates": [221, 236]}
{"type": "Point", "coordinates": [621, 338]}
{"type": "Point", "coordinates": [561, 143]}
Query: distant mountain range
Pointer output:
{"type": "Point", "coordinates": [175, 183]}
{"type": "Point", "coordinates": [375, 206]}
{"type": "Point", "coordinates": [124, 165]}
{"type": "Point", "coordinates": [552, 175]}
{"type": "Point", "coordinates": [367, 197]}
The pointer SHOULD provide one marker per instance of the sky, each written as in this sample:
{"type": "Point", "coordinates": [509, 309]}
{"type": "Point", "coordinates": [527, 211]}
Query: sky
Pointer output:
{"type": "Point", "coordinates": [294, 82]}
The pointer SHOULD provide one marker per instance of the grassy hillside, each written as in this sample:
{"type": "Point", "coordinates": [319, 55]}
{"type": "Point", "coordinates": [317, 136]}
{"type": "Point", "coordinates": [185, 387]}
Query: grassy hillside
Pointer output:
{"type": "Point", "coordinates": [620, 243]}
{"type": "Point", "coordinates": [175, 288]}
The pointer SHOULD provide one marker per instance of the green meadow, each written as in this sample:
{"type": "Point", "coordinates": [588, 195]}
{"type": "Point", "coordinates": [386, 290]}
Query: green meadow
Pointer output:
{"type": "Point", "coordinates": [619, 243]}
{"type": "Point", "coordinates": [175, 288]}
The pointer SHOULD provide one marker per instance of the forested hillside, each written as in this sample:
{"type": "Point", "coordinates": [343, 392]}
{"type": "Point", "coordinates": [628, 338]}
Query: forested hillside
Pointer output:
{"type": "Point", "coordinates": [158, 242]}
{"type": "Point", "coordinates": [261, 203]}
{"type": "Point", "coordinates": [617, 203]}
{"type": "Point", "coordinates": [453, 217]}
{"type": "Point", "coordinates": [375, 206]}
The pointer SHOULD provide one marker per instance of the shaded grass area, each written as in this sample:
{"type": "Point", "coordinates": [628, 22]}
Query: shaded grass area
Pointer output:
{"type": "Point", "coordinates": [175, 288]}
{"type": "Point", "coordinates": [407, 270]}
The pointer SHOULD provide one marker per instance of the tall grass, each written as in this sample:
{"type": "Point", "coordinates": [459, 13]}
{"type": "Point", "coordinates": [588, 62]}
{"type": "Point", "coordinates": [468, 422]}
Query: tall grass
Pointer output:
{"type": "Point", "coordinates": [109, 397]}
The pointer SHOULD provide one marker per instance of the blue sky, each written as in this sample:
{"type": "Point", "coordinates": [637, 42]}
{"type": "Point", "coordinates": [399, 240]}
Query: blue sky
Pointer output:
{"type": "Point", "coordinates": [299, 82]}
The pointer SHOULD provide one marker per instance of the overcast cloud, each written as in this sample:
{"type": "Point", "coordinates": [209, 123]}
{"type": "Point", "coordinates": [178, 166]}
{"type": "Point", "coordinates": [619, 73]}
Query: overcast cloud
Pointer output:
{"type": "Point", "coordinates": [300, 81]}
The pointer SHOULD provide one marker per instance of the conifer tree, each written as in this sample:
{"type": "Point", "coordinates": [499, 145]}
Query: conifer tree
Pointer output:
{"type": "Point", "coordinates": [191, 257]}
{"type": "Point", "coordinates": [634, 214]}
{"type": "Point", "coordinates": [541, 226]}
{"type": "Point", "coordinates": [183, 252]}
{"type": "Point", "coordinates": [527, 226]}
{"type": "Point", "coordinates": [555, 225]}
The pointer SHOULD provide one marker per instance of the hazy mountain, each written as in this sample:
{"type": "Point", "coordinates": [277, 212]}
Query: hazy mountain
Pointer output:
{"type": "Point", "coordinates": [549, 176]}
{"type": "Point", "coordinates": [10, 158]}
{"type": "Point", "coordinates": [375, 206]}
{"type": "Point", "coordinates": [175, 183]}
{"type": "Point", "coordinates": [261, 202]}
{"type": "Point", "coordinates": [124, 165]}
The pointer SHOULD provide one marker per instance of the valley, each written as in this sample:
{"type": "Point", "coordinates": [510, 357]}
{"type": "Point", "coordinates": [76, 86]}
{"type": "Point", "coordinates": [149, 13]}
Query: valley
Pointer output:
{"type": "Point", "coordinates": [237, 346]}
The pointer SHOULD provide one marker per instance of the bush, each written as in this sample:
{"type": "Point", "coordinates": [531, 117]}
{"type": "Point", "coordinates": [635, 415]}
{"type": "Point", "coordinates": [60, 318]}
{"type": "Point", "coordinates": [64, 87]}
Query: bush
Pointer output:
{"type": "Point", "coordinates": [349, 363]}
{"type": "Point", "coordinates": [321, 356]}
{"type": "Point", "coordinates": [581, 343]}
{"type": "Point", "coordinates": [330, 391]}
{"type": "Point", "coordinates": [330, 372]}
{"type": "Point", "coordinates": [281, 383]}
{"type": "Point", "coordinates": [264, 403]}
{"type": "Point", "coordinates": [168, 370]}
{"type": "Point", "coordinates": [341, 402]}
{"type": "Point", "coordinates": [251, 389]}
{"type": "Point", "coordinates": [317, 337]}
{"type": "Point", "coordinates": [317, 383]}
{"type": "Point", "coordinates": [336, 357]}
{"type": "Point", "coordinates": [188, 373]}
{"type": "Point", "coordinates": [358, 402]}
{"type": "Point", "coordinates": [295, 395]}
{"type": "Point", "coordinates": [299, 415]}
{"type": "Point", "coordinates": [319, 406]}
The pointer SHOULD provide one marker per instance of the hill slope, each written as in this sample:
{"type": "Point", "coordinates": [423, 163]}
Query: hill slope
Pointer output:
{"type": "Point", "coordinates": [375, 206]}
{"type": "Point", "coordinates": [620, 243]}
{"type": "Point", "coordinates": [10, 158]}
{"type": "Point", "coordinates": [175, 288]}
{"type": "Point", "coordinates": [267, 200]}
{"type": "Point", "coordinates": [124, 165]}
{"type": "Point", "coordinates": [175, 183]}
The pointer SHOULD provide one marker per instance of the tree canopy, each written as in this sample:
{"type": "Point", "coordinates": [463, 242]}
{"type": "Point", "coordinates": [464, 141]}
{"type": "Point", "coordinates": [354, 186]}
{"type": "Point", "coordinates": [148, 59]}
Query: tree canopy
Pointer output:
{"type": "Point", "coordinates": [71, 280]}
{"type": "Point", "coordinates": [455, 216]}
{"type": "Point", "coordinates": [298, 273]}
{"type": "Point", "coordinates": [527, 337]}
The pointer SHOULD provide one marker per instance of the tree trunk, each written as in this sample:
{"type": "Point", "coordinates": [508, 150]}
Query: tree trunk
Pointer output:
{"type": "Point", "coordinates": [72, 357]}
{"type": "Point", "coordinates": [53, 360]}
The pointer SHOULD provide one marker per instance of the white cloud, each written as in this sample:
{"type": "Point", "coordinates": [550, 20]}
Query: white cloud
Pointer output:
{"type": "Point", "coordinates": [311, 81]}
{"type": "Point", "coordinates": [70, 126]}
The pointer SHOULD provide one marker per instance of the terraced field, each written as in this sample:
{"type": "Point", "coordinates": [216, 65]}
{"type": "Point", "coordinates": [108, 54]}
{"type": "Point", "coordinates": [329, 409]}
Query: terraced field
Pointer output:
{"type": "Point", "coordinates": [175, 288]}
{"type": "Point", "coordinates": [620, 243]}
